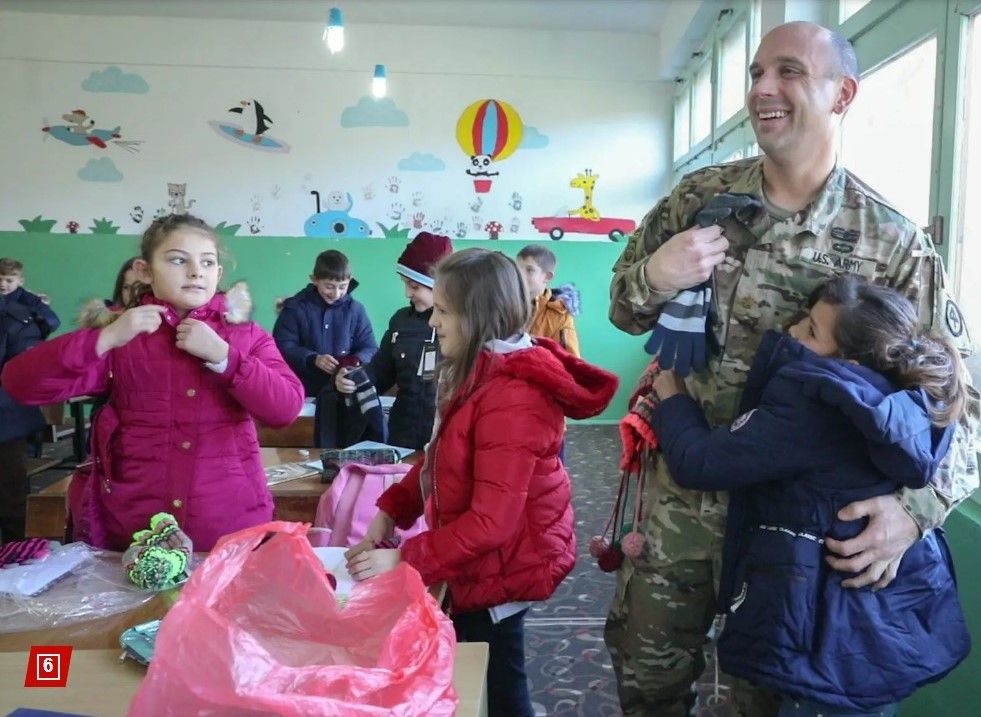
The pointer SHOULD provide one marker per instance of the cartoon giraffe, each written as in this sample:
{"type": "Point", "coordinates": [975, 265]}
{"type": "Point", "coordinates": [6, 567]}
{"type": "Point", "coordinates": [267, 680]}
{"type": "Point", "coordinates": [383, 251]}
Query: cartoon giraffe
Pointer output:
{"type": "Point", "coordinates": [585, 181]}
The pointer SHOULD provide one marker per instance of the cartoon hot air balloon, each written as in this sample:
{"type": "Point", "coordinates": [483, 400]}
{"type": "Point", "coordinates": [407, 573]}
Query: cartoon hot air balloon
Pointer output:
{"type": "Point", "coordinates": [488, 130]}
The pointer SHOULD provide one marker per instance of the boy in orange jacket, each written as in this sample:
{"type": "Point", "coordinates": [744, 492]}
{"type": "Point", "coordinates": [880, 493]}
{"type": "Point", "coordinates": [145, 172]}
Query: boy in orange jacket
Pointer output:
{"type": "Point", "coordinates": [553, 310]}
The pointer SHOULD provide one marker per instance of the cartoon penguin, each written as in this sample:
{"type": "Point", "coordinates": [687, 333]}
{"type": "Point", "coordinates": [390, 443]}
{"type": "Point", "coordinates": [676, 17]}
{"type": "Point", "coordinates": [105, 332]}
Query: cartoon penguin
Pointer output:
{"type": "Point", "coordinates": [254, 119]}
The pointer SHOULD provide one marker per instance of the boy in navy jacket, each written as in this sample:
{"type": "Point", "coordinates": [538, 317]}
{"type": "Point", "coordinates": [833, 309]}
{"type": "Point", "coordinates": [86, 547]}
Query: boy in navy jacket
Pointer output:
{"type": "Point", "coordinates": [322, 327]}
{"type": "Point", "coordinates": [25, 320]}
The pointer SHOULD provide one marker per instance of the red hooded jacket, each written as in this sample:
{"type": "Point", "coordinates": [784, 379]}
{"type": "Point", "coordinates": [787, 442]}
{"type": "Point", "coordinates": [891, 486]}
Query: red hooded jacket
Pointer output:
{"type": "Point", "coordinates": [500, 511]}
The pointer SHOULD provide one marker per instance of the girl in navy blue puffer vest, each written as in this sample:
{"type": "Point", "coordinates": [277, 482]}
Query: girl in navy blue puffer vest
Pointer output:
{"type": "Point", "coordinates": [853, 404]}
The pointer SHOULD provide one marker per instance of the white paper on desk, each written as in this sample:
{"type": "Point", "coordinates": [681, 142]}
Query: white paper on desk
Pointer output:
{"type": "Point", "coordinates": [333, 560]}
{"type": "Point", "coordinates": [284, 472]}
{"type": "Point", "coordinates": [33, 578]}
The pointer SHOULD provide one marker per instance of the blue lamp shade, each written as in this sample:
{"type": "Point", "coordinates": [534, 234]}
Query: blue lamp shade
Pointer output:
{"type": "Point", "coordinates": [334, 32]}
{"type": "Point", "coordinates": [379, 83]}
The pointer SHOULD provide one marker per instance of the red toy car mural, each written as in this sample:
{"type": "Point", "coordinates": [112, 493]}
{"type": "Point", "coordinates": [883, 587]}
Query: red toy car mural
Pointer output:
{"type": "Point", "coordinates": [557, 227]}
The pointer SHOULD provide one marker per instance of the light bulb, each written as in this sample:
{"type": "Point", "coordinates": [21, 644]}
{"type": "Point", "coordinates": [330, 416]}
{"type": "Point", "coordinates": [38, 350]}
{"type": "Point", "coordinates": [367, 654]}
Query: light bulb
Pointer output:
{"type": "Point", "coordinates": [335, 39]}
{"type": "Point", "coordinates": [334, 32]}
{"type": "Point", "coordinates": [379, 83]}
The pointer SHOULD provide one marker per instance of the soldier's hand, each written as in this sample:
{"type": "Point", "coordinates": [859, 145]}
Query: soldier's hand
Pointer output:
{"type": "Point", "coordinates": [875, 552]}
{"type": "Point", "coordinates": [686, 259]}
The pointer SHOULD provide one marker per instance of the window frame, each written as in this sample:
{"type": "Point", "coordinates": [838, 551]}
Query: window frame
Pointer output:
{"type": "Point", "coordinates": [718, 143]}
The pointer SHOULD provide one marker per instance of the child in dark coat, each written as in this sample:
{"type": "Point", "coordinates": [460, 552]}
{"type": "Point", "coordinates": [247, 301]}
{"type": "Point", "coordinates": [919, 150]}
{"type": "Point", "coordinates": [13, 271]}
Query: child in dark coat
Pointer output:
{"type": "Point", "coordinates": [25, 320]}
{"type": "Point", "coordinates": [853, 404]}
{"type": "Point", "coordinates": [322, 326]}
{"type": "Point", "coordinates": [409, 341]}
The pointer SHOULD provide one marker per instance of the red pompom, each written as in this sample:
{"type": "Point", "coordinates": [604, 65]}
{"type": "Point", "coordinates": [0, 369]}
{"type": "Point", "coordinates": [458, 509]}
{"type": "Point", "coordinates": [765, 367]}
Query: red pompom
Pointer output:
{"type": "Point", "coordinates": [610, 560]}
{"type": "Point", "coordinates": [598, 544]}
{"type": "Point", "coordinates": [632, 544]}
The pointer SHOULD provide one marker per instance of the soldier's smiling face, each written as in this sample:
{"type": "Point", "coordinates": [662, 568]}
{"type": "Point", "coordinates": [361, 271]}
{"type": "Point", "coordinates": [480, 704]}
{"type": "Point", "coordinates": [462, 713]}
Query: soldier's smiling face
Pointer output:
{"type": "Point", "coordinates": [797, 92]}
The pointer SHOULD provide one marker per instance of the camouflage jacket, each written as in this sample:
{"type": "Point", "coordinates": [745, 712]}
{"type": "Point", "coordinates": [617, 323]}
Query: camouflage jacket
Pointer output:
{"type": "Point", "coordinates": [770, 269]}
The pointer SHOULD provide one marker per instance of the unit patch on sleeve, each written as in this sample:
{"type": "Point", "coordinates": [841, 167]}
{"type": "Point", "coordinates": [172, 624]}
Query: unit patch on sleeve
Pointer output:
{"type": "Point", "coordinates": [955, 322]}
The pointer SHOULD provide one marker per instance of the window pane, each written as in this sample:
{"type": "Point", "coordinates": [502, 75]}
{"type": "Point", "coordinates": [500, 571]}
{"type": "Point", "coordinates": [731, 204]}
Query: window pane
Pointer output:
{"type": "Point", "coordinates": [732, 83]}
{"type": "Point", "coordinates": [681, 125]}
{"type": "Point", "coordinates": [969, 266]}
{"type": "Point", "coordinates": [894, 109]}
{"type": "Point", "coordinates": [702, 104]}
{"type": "Point", "coordinates": [850, 7]}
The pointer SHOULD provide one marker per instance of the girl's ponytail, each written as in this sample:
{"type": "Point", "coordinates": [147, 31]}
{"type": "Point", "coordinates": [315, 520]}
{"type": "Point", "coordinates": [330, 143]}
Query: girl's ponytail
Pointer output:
{"type": "Point", "coordinates": [878, 327]}
{"type": "Point", "coordinates": [934, 365]}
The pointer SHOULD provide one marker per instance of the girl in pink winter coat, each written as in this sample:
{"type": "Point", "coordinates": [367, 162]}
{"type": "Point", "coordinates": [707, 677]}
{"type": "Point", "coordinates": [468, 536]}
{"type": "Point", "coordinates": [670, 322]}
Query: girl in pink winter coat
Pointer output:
{"type": "Point", "coordinates": [185, 372]}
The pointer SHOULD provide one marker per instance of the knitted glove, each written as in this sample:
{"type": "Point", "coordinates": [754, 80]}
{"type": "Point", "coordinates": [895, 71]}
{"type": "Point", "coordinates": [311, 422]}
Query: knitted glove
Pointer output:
{"type": "Point", "coordinates": [157, 568]}
{"type": "Point", "coordinates": [158, 558]}
{"type": "Point", "coordinates": [682, 338]}
{"type": "Point", "coordinates": [678, 339]}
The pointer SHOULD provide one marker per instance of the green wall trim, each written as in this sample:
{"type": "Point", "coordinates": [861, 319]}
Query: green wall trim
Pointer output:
{"type": "Point", "coordinates": [71, 268]}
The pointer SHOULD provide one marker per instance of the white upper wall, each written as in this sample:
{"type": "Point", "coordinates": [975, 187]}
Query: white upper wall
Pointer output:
{"type": "Point", "coordinates": [595, 95]}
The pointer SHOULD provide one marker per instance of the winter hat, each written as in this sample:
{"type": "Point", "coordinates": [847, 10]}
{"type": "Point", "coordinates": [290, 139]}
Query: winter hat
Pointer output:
{"type": "Point", "coordinates": [418, 261]}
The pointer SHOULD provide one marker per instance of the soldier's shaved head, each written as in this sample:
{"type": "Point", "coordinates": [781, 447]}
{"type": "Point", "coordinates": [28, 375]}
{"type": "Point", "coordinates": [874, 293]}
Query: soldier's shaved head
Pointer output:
{"type": "Point", "coordinates": [843, 62]}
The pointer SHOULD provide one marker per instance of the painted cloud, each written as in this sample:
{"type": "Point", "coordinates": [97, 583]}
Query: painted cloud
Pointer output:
{"type": "Point", "coordinates": [113, 79]}
{"type": "Point", "coordinates": [370, 112]}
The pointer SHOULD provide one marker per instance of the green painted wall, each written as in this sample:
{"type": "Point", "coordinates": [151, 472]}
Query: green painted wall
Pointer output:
{"type": "Point", "coordinates": [957, 694]}
{"type": "Point", "coordinates": [73, 268]}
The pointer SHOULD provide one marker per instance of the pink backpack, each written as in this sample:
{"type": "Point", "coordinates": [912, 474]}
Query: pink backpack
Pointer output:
{"type": "Point", "coordinates": [348, 506]}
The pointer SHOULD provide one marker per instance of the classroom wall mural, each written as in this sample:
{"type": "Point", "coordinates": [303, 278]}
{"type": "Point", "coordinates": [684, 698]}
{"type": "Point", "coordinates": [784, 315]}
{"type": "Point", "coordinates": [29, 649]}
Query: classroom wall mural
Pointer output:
{"type": "Point", "coordinates": [79, 130]}
{"type": "Point", "coordinates": [489, 131]}
{"type": "Point", "coordinates": [249, 128]}
{"type": "Point", "coordinates": [305, 152]}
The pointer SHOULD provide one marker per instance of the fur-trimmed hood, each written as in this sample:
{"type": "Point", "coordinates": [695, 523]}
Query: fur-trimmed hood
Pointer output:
{"type": "Point", "coordinates": [234, 306]}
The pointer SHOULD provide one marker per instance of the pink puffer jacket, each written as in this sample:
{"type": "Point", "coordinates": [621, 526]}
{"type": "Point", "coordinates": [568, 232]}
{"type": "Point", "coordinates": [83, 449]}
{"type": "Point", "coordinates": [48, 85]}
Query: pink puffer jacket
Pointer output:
{"type": "Point", "coordinates": [175, 436]}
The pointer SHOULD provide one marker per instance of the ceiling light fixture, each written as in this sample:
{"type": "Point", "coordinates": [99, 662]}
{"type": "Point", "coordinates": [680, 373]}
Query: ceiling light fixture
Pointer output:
{"type": "Point", "coordinates": [334, 32]}
{"type": "Point", "coordinates": [379, 83]}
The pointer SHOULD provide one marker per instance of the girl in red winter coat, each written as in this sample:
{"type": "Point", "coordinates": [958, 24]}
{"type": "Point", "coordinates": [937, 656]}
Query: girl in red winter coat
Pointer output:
{"type": "Point", "coordinates": [185, 372]}
{"type": "Point", "coordinates": [496, 497]}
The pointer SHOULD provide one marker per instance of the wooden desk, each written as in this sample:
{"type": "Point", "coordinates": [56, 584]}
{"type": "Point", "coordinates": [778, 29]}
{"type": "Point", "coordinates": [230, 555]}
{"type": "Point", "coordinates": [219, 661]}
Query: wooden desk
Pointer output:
{"type": "Point", "coordinates": [294, 500]}
{"type": "Point", "coordinates": [100, 685]}
{"type": "Point", "coordinates": [299, 434]}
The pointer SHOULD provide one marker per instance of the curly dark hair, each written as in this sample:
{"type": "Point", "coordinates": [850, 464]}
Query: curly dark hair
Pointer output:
{"type": "Point", "coordinates": [879, 328]}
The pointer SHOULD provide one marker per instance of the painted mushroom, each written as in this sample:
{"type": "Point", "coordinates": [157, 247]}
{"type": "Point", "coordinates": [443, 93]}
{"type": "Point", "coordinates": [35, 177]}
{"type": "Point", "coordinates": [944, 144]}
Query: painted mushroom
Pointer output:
{"type": "Point", "coordinates": [494, 228]}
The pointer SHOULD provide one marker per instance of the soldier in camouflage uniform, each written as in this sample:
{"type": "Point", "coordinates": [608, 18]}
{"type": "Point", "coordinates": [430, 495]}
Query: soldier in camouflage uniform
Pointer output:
{"type": "Point", "coordinates": [764, 267]}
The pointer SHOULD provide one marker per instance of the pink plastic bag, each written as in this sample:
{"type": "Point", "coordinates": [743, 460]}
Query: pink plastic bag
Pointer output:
{"type": "Point", "coordinates": [257, 631]}
{"type": "Point", "coordinates": [348, 507]}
